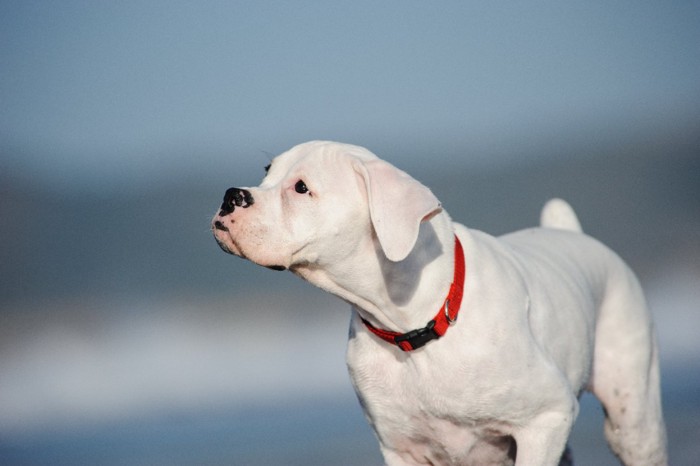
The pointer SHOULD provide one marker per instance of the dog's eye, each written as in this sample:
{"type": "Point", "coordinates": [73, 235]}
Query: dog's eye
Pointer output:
{"type": "Point", "coordinates": [267, 168]}
{"type": "Point", "coordinates": [300, 187]}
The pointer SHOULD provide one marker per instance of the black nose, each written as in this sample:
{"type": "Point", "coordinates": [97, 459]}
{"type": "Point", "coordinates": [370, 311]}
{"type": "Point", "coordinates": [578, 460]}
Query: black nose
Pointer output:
{"type": "Point", "coordinates": [236, 197]}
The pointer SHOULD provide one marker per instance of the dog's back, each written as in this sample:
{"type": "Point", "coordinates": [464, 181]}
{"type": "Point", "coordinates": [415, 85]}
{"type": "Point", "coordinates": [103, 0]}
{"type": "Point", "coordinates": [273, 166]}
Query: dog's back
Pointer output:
{"type": "Point", "coordinates": [624, 374]}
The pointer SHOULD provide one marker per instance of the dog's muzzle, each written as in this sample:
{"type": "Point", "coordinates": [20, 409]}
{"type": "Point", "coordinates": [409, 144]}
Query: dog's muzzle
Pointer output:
{"type": "Point", "coordinates": [235, 197]}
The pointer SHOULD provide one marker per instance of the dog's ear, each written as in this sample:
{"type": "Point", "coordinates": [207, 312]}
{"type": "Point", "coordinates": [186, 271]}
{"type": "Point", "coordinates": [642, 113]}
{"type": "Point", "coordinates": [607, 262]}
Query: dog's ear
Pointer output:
{"type": "Point", "coordinates": [397, 206]}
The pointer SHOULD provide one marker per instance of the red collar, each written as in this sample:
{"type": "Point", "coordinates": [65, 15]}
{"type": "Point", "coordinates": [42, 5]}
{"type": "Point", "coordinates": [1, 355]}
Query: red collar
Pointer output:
{"type": "Point", "coordinates": [446, 316]}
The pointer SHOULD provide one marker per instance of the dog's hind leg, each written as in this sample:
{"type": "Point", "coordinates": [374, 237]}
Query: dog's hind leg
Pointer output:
{"type": "Point", "coordinates": [626, 374]}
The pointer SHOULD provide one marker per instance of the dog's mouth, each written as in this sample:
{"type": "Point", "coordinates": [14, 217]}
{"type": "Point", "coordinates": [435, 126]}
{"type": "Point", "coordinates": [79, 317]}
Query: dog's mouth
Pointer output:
{"type": "Point", "coordinates": [232, 248]}
{"type": "Point", "coordinates": [220, 226]}
{"type": "Point", "coordinates": [224, 247]}
{"type": "Point", "coordinates": [220, 230]}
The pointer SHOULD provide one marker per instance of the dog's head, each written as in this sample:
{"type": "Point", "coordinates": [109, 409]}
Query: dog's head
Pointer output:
{"type": "Point", "coordinates": [319, 203]}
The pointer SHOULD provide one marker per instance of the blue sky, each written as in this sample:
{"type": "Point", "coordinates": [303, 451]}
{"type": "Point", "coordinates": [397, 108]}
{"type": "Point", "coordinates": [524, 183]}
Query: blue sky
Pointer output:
{"type": "Point", "coordinates": [116, 88]}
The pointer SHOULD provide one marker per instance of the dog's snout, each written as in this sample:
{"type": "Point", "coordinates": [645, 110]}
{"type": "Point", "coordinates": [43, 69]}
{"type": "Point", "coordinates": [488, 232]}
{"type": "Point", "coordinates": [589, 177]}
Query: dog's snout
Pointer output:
{"type": "Point", "coordinates": [236, 197]}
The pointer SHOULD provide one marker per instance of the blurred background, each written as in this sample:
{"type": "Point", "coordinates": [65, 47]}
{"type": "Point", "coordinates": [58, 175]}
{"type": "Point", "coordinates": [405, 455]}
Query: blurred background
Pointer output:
{"type": "Point", "coordinates": [128, 337]}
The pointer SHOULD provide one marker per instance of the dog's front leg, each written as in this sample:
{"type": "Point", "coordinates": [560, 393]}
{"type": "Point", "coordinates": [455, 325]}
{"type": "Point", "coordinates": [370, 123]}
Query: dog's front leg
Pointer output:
{"type": "Point", "coordinates": [543, 441]}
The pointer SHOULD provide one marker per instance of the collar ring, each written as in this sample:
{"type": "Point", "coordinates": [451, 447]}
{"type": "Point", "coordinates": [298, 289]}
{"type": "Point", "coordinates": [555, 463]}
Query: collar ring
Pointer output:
{"type": "Point", "coordinates": [450, 320]}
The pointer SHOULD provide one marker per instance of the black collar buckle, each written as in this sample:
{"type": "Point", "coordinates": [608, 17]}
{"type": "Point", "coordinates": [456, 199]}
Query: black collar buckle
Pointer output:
{"type": "Point", "coordinates": [419, 337]}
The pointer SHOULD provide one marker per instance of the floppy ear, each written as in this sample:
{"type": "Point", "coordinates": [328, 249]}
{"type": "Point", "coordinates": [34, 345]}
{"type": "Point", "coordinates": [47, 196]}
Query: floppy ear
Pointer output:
{"type": "Point", "coordinates": [397, 206]}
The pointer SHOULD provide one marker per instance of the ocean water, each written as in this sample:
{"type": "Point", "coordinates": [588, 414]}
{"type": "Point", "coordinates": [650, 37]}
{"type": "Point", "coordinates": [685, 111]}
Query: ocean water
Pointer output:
{"type": "Point", "coordinates": [320, 432]}
{"type": "Point", "coordinates": [208, 382]}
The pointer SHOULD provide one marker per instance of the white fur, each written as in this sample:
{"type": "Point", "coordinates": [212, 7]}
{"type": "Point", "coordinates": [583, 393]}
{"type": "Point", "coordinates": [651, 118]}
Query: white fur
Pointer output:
{"type": "Point", "coordinates": [547, 313]}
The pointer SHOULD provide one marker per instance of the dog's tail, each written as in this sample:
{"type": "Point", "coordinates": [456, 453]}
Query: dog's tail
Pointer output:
{"type": "Point", "coordinates": [558, 214]}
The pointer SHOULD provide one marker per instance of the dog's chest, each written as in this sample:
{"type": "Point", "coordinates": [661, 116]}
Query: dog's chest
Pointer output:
{"type": "Point", "coordinates": [425, 416]}
{"type": "Point", "coordinates": [421, 434]}
{"type": "Point", "coordinates": [446, 442]}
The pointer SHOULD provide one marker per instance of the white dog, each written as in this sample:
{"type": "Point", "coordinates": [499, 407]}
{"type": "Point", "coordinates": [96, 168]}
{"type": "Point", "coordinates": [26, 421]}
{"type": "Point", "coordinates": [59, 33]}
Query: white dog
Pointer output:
{"type": "Point", "coordinates": [464, 349]}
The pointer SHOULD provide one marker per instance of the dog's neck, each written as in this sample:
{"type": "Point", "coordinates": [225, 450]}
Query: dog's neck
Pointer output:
{"type": "Point", "coordinates": [397, 295]}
